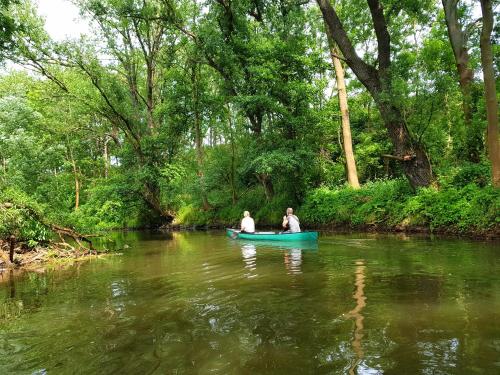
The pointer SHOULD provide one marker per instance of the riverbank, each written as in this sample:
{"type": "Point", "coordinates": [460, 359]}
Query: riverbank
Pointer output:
{"type": "Point", "coordinates": [40, 258]}
{"type": "Point", "coordinates": [390, 205]}
{"type": "Point", "coordinates": [384, 206]}
{"type": "Point", "coordinates": [334, 228]}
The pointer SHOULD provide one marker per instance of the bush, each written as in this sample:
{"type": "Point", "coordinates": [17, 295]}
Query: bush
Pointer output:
{"type": "Point", "coordinates": [392, 203]}
{"type": "Point", "coordinates": [191, 215]}
{"type": "Point", "coordinates": [264, 212]}
{"type": "Point", "coordinates": [17, 220]}
{"type": "Point", "coordinates": [375, 202]}
{"type": "Point", "coordinates": [110, 204]}
{"type": "Point", "coordinates": [467, 173]}
{"type": "Point", "coordinates": [465, 209]}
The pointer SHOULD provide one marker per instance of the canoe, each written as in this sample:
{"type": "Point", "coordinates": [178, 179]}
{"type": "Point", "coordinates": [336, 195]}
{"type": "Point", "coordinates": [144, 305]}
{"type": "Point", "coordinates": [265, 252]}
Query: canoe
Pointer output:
{"type": "Point", "coordinates": [273, 236]}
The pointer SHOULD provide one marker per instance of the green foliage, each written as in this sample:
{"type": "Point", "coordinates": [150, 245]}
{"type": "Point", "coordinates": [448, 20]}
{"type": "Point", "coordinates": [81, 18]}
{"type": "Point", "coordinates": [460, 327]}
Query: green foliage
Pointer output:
{"type": "Point", "coordinates": [466, 173]}
{"type": "Point", "coordinates": [203, 111]}
{"type": "Point", "coordinates": [468, 208]}
{"type": "Point", "coordinates": [463, 209]}
{"type": "Point", "coordinates": [375, 203]}
{"type": "Point", "coordinates": [8, 27]}
{"type": "Point", "coordinates": [109, 204]}
{"type": "Point", "coordinates": [16, 218]}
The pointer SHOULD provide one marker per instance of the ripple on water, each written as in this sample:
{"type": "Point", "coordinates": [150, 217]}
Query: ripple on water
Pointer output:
{"type": "Point", "coordinates": [203, 303]}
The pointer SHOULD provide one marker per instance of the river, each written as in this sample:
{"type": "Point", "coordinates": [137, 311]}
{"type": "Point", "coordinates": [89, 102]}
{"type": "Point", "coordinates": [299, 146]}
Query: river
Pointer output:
{"type": "Point", "coordinates": [202, 303]}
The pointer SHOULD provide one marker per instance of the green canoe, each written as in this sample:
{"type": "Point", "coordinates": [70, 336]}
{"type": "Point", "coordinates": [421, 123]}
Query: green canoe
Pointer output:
{"type": "Point", "coordinates": [273, 236]}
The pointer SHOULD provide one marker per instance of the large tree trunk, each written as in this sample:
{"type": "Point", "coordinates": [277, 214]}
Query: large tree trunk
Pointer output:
{"type": "Point", "coordinates": [352, 174]}
{"type": "Point", "coordinates": [151, 195]}
{"type": "Point", "coordinates": [490, 90]}
{"type": "Point", "coordinates": [466, 75]}
{"type": "Point", "coordinates": [415, 163]}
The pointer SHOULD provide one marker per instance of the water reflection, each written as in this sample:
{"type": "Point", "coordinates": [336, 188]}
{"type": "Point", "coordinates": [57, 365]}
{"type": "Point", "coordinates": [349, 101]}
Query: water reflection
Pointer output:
{"type": "Point", "coordinates": [249, 254]}
{"type": "Point", "coordinates": [186, 306]}
{"type": "Point", "coordinates": [292, 258]}
{"type": "Point", "coordinates": [293, 261]}
{"type": "Point", "coordinates": [12, 284]}
{"type": "Point", "coordinates": [359, 296]}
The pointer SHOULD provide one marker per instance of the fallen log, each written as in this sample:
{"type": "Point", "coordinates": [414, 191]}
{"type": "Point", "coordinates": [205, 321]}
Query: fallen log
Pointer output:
{"type": "Point", "coordinates": [57, 229]}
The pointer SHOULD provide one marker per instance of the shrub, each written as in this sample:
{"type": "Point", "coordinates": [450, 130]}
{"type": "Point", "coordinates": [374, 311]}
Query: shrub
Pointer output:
{"type": "Point", "coordinates": [17, 220]}
{"type": "Point", "coordinates": [391, 203]}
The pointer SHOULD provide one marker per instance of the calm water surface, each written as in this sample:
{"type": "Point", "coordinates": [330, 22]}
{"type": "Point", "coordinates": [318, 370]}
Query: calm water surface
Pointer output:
{"type": "Point", "coordinates": [201, 303]}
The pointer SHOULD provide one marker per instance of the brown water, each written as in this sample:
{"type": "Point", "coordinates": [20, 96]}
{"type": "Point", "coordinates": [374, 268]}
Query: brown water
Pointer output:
{"type": "Point", "coordinates": [201, 303]}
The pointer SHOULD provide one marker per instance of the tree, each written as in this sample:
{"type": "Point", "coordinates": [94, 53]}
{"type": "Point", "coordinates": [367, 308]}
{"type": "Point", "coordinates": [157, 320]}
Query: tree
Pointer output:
{"type": "Point", "coordinates": [8, 27]}
{"type": "Point", "coordinates": [128, 89]}
{"type": "Point", "coordinates": [490, 90]}
{"type": "Point", "coordinates": [458, 42]}
{"type": "Point", "coordinates": [378, 81]}
{"type": "Point", "coordinates": [352, 174]}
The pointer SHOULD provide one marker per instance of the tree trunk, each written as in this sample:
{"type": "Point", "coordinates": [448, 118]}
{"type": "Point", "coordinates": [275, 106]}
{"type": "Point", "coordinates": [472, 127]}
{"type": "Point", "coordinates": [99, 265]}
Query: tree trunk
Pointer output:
{"type": "Point", "coordinates": [12, 246]}
{"type": "Point", "coordinates": [198, 137]}
{"type": "Point", "coordinates": [255, 118]}
{"type": "Point", "coordinates": [267, 184]}
{"type": "Point", "coordinates": [77, 188]}
{"type": "Point", "coordinates": [75, 176]}
{"type": "Point", "coordinates": [490, 90]}
{"type": "Point", "coordinates": [234, 194]}
{"type": "Point", "coordinates": [415, 163]}
{"type": "Point", "coordinates": [105, 157]}
{"type": "Point", "coordinates": [149, 98]}
{"type": "Point", "coordinates": [466, 75]}
{"type": "Point", "coordinates": [352, 174]}
{"type": "Point", "coordinates": [414, 160]}
{"type": "Point", "coordinates": [151, 195]}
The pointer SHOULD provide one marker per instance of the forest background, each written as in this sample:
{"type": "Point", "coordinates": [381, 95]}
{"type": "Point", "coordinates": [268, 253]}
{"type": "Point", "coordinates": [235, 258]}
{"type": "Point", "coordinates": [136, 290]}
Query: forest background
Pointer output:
{"type": "Point", "coordinates": [379, 113]}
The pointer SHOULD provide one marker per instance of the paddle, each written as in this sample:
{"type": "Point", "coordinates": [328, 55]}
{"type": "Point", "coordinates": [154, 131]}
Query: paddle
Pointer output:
{"type": "Point", "coordinates": [234, 235]}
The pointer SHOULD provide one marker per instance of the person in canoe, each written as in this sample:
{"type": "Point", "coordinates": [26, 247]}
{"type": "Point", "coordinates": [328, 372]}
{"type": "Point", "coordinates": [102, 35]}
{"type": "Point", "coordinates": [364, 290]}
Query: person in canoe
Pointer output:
{"type": "Point", "coordinates": [291, 223]}
{"type": "Point", "coordinates": [247, 223]}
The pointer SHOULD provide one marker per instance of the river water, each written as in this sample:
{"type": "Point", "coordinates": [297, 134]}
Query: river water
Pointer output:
{"type": "Point", "coordinates": [202, 303]}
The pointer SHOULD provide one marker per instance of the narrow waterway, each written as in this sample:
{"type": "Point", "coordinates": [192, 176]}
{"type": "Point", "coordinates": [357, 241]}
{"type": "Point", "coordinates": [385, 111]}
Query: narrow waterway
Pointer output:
{"type": "Point", "coordinates": [202, 303]}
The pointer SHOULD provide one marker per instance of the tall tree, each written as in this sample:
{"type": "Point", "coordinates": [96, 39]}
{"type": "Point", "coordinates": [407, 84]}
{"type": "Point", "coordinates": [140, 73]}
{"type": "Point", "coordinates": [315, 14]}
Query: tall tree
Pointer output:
{"type": "Point", "coordinates": [352, 174]}
{"type": "Point", "coordinates": [8, 27]}
{"type": "Point", "coordinates": [458, 42]}
{"type": "Point", "coordinates": [129, 87]}
{"type": "Point", "coordinates": [490, 90]}
{"type": "Point", "coordinates": [378, 81]}
{"type": "Point", "coordinates": [198, 127]}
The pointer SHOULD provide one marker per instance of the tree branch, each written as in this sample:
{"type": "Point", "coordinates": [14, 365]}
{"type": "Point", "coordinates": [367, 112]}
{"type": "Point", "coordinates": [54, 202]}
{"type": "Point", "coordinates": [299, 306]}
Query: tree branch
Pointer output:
{"type": "Point", "coordinates": [366, 73]}
{"type": "Point", "coordinates": [383, 37]}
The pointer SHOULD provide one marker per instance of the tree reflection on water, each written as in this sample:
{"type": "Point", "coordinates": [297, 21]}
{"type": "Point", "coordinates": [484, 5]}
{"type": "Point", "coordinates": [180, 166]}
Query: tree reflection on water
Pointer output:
{"type": "Point", "coordinates": [359, 296]}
